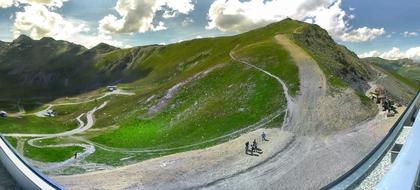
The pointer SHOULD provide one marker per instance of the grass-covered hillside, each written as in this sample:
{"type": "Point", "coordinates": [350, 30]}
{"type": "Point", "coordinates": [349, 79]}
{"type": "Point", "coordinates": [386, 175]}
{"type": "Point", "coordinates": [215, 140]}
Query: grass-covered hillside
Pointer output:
{"type": "Point", "coordinates": [188, 95]}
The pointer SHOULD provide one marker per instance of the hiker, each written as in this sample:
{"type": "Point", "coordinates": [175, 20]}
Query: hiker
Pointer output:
{"type": "Point", "coordinates": [385, 105]}
{"type": "Point", "coordinates": [246, 147]}
{"type": "Point", "coordinates": [391, 107]}
{"type": "Point", "coordinates": [264, 136]}
{"type": "Point", "coordinates": [75, 155]}
{"type": "Point", "coordinates": [254, 146]}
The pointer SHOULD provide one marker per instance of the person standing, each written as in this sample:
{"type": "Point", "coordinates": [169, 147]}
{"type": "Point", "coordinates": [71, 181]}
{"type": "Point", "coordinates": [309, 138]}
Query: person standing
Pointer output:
{"type": "Point", "coordinates": [264, 136]}
{"type": "Point", "coordinates": [246, 147]}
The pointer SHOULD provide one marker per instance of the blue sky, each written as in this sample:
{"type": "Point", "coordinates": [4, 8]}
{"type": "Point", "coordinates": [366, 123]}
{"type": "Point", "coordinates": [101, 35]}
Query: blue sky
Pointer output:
{"type": "Point", "coordinates": [384, 28]}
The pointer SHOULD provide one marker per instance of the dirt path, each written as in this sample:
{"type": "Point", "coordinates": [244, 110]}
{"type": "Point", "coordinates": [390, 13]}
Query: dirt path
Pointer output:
{"type": "Point", "coordinates": [80, 129]}
{"type": "Point", "coordinates": [289, 99]}
{"type": "Point", "coordinates": [185, 169]}
{"type": "Point", "coordinates": [290, 157]}
{"type": "Point", "coordinates": [263, 122]}
{"type": "Point", "coordinates": [115, 92]}
{"type": "Point", "coordinates": [21, 113]}
{"type": "Point", "coordinates": [313, 87]}
{"type": "Point", "coordinates": [209, 164]}
{"type": "Point", "coordinates": [88, 149]}
{"type": "Point", "coordinates": [315, 160]}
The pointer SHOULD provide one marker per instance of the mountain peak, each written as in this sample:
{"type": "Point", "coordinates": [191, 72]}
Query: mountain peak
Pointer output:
{"type": "Point", "coordinates": [22, 39]}
{"type": "Point", "coordinates": [103, 48]}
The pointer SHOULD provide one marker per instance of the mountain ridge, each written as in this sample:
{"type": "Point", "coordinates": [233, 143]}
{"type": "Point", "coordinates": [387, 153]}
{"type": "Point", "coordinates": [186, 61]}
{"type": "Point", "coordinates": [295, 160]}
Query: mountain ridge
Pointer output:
{"type": "Point", "coordinates": [58, 66]}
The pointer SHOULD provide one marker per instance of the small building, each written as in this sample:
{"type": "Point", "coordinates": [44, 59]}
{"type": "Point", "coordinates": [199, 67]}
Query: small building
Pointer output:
{"type": "Point", "coordinates": [3, 114]}
{"type": "Point", "coordinates": [112, 88]}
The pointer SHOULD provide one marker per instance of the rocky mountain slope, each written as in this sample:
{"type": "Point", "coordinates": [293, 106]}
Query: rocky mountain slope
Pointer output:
{"type": "Point", "coordinates": [404, 67]}
{"type": "Point", "coordinates": [399, 77]}
{"type": "Point", "coordinates": [342, 66]}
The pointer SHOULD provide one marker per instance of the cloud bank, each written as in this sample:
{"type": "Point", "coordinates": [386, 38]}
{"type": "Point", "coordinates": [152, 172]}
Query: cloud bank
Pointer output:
{"type": "Point", "coordinates": [48, 3]}
{"type": "Point", "coordinates": [38, 20]}
{"type": "Point", "coordinates": [395, 53]}
{"type": "Point", "coordinates": [138, 15]}
{"type": "Point", "coordinates": [240, 16]}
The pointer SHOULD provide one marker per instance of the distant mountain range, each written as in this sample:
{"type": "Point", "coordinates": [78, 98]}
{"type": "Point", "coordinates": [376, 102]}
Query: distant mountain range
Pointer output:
{"type": "Point", "coordinates": [51, 68]}
{"type": "Point", "coordinates": [196, 91]}
{"type": "Point", "coordinates": [404, 67]}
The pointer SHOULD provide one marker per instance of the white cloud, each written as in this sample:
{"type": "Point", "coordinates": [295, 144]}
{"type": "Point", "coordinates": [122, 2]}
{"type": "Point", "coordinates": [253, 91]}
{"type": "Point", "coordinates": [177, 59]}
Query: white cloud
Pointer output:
{"type": "Point", "coordinates": [138, 15]}
{"type": "Point", "coordinates": [363, 34]}
{"type": "Point", "coordinates": [48, 3]}
{"type": "Point", "coordinates": [38, 21]}
{"type": "Point", "coordinates": [6, 3]}
{"type": "Point", "coordinates": [240, 16]}
{"type": "Point", "coordinates": [409, 34]}
{"type": "Point", "coordinates": [395, 53]}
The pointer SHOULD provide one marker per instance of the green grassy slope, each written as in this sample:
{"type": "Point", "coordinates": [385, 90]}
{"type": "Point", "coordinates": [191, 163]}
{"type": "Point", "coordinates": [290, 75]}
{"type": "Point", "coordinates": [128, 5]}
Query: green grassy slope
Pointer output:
{"type": "Point", "coordinates": [215, 97]}
{"type": "Point", "coordinates": [50, 154]}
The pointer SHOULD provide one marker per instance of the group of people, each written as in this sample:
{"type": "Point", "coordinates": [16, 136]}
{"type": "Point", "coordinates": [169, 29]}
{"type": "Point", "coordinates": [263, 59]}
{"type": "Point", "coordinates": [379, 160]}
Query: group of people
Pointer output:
{"type": "Point", "coordinates": [250, 150]}
{"type": "Point", "coordinates": [388, 105]}
{"type": "Point", "coordinates": [381, 98]}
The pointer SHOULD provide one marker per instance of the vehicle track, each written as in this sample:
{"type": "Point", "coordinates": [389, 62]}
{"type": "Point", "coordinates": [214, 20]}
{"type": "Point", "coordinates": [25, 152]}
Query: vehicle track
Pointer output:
{"type": "Point", "coordinates": [286, 145]}
{"type": "Point", "coordinates": [313, 159]}
{"type": "Point", "coordinates": [88, 149]}
{"type": "Point", "coordinates": [255, 126]}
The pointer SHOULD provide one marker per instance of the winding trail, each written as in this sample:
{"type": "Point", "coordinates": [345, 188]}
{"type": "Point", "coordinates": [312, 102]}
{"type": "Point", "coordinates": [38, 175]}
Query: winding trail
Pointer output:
{"type": "Point", "coordinates": [44, 112]}
{"type": "Point", "coordinates": [21, 112]}
{"type": "Point", "coordinates": [88, 149]}
{"type": "Point", "coordinates": [294, 153]}
{"type": "Point", "coordinates": [313, 87]}
{"type": "Point", "coordinates": [290, 156]}
{"type": "Point", "coordinates": [253, 127]}
{"type": "Point", "coordinates": [209, 166]}
{"type": "Point", "coordinates": [289, 99]}
{"type": "Point", "coordinates": [115, 92]}
{"type": "Point", "coordinates": [80, 129]}
{"type": "Point", "coordinates": [313, 160]}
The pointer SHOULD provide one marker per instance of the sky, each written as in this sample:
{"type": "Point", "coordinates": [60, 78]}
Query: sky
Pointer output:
{"type": "Point", "coordinates": [382, 28]}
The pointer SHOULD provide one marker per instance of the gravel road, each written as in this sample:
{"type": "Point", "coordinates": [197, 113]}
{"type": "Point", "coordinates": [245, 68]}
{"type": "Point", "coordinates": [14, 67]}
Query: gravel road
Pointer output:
{"type": "Point", "coordinates": [299, 156]}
